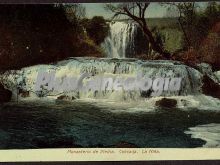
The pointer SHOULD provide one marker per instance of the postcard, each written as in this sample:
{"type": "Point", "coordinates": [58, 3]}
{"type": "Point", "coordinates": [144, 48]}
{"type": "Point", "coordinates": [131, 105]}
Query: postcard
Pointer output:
{"type": "Point", "coordinates": [103, 81]}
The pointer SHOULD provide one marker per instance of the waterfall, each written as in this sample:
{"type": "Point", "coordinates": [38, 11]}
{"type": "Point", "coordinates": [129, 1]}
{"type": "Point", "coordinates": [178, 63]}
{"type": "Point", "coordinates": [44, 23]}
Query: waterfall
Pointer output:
{"type": "Point", "coordinates": [123, 68]}
{"type": "Point", "coordinates": [120, 42]}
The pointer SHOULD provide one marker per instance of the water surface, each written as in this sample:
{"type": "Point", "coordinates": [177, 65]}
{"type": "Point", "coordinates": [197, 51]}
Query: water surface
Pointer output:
{"type": "Point", "coordinates": [43, 124]}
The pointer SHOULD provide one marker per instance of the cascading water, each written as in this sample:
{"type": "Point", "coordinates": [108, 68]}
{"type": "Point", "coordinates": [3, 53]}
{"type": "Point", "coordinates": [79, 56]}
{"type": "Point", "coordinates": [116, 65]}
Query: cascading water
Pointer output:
{"type": "Point", "coordinates": [120, 41]}
{"type": "Point", "coordinates": [191, 78]}
{"type": "Point", "coordinates": [188, 96]}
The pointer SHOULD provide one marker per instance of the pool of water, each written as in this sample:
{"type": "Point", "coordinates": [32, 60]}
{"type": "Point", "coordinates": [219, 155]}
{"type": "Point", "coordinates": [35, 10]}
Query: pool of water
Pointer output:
{"type": "Point", "coordinates": [44, 124]}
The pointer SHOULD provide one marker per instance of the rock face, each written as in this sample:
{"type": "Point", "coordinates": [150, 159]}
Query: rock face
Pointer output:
{"type": "Point", "coordinates": [5, 94]}
{"type": "Point", "coordinates": [166, 103]}
{"type": "Point", "coordinates": [210, 80]}
{"type": "Point", "coordinates": [210, 87]}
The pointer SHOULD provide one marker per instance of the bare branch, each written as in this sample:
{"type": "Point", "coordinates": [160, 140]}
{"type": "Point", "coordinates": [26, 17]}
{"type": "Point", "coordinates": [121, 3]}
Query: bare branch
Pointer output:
{"type": "Point", "coordinates": [140, 9]}
{"type": "Point", "coordinates": [144, 9]}
{"type": "Point", "coordinates": [137, 19]}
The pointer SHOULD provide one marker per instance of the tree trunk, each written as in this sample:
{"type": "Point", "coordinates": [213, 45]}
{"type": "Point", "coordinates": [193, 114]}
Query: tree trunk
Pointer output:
{"type": "Point", "coordinates": [184, 32]}
{"type": "Point", "coordinates": [155, 46]}
{"type": "Point", "coordinates": [142, 22]}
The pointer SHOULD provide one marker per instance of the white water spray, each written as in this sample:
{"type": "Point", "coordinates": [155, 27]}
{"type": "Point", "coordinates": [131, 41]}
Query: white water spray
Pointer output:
{"type": "Point", "coordinates": [120, 40]}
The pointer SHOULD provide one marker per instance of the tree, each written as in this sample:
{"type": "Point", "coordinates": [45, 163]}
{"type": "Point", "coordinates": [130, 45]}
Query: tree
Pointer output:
{"type": "Point", "coordinates": [195, 24]}
{"type": "Point", "coordinates": [74, 13]}
{"type": "Point", "coordinates": [212, 9]}
{"type": "Point", "coordinates": [97, 28]}
{"type": "Point", "coordinates": [185, 11]}
{"type": "Point", "coordinates": [200, 28]}
{"type": "Point", "coordinates": [136, 12]}
{"type": "Point", "coordinates": [40, 34]}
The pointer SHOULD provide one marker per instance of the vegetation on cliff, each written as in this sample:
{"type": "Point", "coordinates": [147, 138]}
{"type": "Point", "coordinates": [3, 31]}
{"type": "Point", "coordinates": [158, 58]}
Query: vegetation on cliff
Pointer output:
{"type": "Point", "coordinates": [35, 34]}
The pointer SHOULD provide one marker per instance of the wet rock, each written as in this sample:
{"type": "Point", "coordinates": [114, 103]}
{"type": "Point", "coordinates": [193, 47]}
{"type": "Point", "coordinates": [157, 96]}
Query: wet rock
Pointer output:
{"type": "Point", "coordinates": [166, 103]}
{"type": "Point", "coordinates": [66, 98]}
{"type": "Point", "coordinates": [146, 94]}
{"type": "Point", "coordinates": [206, 69]}
{"type": "Point", "coordinates": [24, 93]}
{"type": "Point", "coordinates": [210, 87]}
{"type": "Point", "coordinates": [5, 94]}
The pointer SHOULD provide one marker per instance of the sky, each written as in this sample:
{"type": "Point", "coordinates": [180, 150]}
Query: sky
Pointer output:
{"type": "Point", "coordinates": [155, 10]}
{"type": "Point", "coordinates": [92, 9]}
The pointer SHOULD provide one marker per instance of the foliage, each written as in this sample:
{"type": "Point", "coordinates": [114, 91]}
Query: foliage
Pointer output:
{"type": "Point", "coordinates": [201, 32]}
{"type": "Point", "coordinates": [96, 28]}
{"type": "Point", "coordinates": [36, 34]}
{"type": "Point", "coordinates": [210, 48]}
{"type": "Point", "coordinates": [195, 24]}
